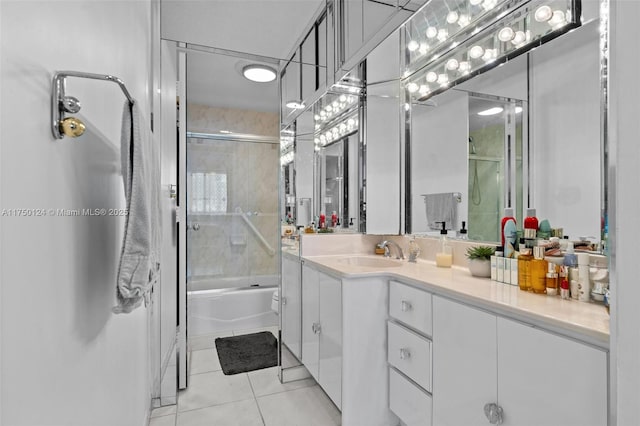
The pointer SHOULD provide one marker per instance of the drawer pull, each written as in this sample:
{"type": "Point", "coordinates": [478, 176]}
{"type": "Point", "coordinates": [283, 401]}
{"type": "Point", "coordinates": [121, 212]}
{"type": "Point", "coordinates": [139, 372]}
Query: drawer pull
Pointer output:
{"type": "Point", "coordinates": [315, 327]}
{"type": "Point", "coordinates": [405, 353]}
{"type": "Point", "coordinates": [494, 413]}
{"type": "Point", "coordinates": [405, 306]}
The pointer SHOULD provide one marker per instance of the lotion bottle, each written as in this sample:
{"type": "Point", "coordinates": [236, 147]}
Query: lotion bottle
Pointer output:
{"type": "Point", "coordinates": [444, 256]}
{"type": "Point", "coordinates": [508, 214]}
{"type": "Point", "coordinates": [530, 224]}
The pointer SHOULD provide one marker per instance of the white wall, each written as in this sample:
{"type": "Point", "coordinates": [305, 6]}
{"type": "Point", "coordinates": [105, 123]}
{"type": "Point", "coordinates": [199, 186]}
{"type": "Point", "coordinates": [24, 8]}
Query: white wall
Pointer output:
{"type": "Point", "coordinates": [439, 150]}
{"type": "Point", "coordinates": [66, 359]}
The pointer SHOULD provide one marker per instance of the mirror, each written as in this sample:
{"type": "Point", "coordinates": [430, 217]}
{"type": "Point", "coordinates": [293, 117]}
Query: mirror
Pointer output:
{"type": "Point", "coordinates": [559, 124]}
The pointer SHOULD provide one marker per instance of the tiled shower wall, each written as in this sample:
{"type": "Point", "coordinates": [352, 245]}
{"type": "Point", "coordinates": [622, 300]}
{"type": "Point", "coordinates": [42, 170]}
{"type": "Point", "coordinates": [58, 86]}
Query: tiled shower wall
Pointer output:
{"type": "Point", "coordinates": [225, 246]}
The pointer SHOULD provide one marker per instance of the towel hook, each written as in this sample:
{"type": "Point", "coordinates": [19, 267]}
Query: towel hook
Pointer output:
{"type": "Point", "coordinates": [61, 103]}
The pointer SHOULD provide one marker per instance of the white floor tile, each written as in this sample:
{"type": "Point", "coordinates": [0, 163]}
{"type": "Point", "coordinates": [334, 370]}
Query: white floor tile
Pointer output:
{"type": "Point", "coordinates": [301, 407]}
{"type": "Point", "coordinates": [214, 388]}
{"type": "Point", "coordinates": [163, 421]}
{"type": "Point", "coordinates": [163, 411]}
{"type": "Point", "coordinates": [206, 341]}
{"type": "Point", "coordinates": [266, 382]}
{"type": "Point", "coordinates": [273, 330]}
{"type": "Point", "coordinates": [243, 413]}
{"type": "Point", "coordinates": [204, 361]}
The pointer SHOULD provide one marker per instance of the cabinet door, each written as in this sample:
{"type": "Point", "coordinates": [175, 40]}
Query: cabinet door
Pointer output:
{"type": "Point", "coordinates": [291, 306]}
{"type": "Point", "coordinates": [310, 315]}
{"type": "Point", "coordinates": [545, 379]}
{"type": "Point", "coordinates": [464, 363]}
{"type": "Point", "coordinates": [331, 337]}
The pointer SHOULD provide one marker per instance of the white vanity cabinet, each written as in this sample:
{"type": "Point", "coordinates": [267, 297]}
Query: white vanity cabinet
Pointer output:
{"type": "Point", "coordinates": [533, 376]}
{"type": "Point", "coordinates": [292, 305]}
{"type": "Point", "coordinates": [409, 353]}
{"type": "Point", "coordinates": [322, 330]}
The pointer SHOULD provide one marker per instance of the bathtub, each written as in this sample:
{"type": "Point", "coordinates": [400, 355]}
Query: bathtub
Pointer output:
{"type": "Point", "coordinates": [216, 309]}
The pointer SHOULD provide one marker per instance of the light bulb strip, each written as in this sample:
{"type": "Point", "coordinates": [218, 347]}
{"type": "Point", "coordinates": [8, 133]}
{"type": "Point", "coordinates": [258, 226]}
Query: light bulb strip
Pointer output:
{"type": "Point", "coordinates": [332, 108]}
{"type": "Point", "coordinates": [344, 127]}
{"type": "Point", "coordinates": [512, 35]}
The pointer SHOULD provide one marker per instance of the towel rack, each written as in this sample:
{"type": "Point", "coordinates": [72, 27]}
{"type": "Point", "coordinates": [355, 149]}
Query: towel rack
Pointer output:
{"type": "Point", "coordinates": [62, 126]}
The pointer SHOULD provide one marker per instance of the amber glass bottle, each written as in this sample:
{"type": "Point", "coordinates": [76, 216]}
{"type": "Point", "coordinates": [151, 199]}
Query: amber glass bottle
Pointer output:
{"type": "Point", "coordinates": [538, 271]}
{"type": "Point", "coordinates": [524, 272]}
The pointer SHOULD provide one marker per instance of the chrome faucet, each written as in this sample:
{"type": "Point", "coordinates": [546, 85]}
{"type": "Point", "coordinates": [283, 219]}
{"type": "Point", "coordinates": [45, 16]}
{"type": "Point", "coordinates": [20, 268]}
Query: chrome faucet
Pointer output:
{"type": "Point", "coordinates": [386, 244]}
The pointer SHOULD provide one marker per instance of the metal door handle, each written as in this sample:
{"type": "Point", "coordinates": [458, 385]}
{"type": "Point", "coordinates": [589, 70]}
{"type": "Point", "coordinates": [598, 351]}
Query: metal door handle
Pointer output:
{"type": "Point", "coordinates": [284, 301]}
{"type": "Point", "coordinates": [493, 412]}
{"type": "Point", "coordinates": [405, 353]}
{"type": "Point", "coordinates": [405, 306]}
{"type": "Point", "coordinates": [194, 226]}
{"type": "Point", "coordinates": [315, 327]}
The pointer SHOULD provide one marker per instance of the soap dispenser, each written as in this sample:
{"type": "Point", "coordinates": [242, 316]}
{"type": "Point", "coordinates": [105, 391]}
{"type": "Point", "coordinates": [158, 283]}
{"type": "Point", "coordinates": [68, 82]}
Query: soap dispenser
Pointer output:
{"type": "Point", "coordinates": [462, 233]}
{"type": "Point", "coordinates": [444, 255]}
{"type": "Point", "coordinates": [414, 250]}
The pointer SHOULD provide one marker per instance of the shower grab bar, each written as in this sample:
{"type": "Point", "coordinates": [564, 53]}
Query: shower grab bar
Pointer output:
{"type": "Point", "coordinates": [61, 103]}
{"type": "Point", "coordinates": [255, 230]}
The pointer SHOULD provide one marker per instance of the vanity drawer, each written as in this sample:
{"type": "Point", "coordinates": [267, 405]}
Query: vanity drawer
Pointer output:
{"type": "Point", "coordinates": [407, 401]}
{"type": "Point", "coordinates": [411, 306]}
{"type": "Point", "coordinates": [410, 353]}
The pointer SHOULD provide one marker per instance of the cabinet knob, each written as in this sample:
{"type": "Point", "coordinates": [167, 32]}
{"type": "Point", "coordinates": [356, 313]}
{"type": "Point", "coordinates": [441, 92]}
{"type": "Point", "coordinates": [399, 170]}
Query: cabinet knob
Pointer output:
{"type": "Point", "coordinates": [493, 412]}
{"type": "Point", "coordinates": [405, 306]}
{"type": "Point", "coordinates": [405, 353]}
{"type": "Point", "coordinates": [284, 301]}
{"type": "Point", "coordinates": [315, 327]}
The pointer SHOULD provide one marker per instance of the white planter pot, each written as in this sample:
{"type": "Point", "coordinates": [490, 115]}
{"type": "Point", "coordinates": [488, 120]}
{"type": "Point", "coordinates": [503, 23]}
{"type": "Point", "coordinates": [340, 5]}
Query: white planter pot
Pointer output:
{"type": "Point", "coordinates": [480, 268]}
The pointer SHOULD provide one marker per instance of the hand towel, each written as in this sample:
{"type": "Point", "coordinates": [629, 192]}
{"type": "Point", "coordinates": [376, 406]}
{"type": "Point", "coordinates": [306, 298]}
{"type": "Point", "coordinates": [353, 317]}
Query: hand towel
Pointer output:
{"type": "Point", "coordinates": [442, 207]}
{"type": "Point", "coordinates": [139, 260]}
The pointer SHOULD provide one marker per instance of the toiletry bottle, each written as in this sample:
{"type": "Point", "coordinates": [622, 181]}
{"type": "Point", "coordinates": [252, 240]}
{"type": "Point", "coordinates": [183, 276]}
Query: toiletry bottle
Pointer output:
{"type": "Point", "coordinates": [538, 271]}
{"type": "Point", "coordinates": [444, 256]}
{"type": "Point", "coordinates": [564, 286]}
{"type": "Point", "coordinates": [334, 219]}
{"type": "Point", "coordinates": [323, 221]}
{"type": "Point", "coordinates": [530, 224]}
{"type": "Point", "coordinates": [552, 280]}
{"type": "Point", "coordinates": [462, 234]}
{"type": "Point", "coordinates": [524, 271]}
{"type": "Point", "coordinates": [570, 258]}
{"type": "Point", "coordinates": [510, 237]}
{"type": "Point", "coordinates": [584, 286]}
{"type": "Point", "coordinates": [414, 250]}
{"type": "Point", "coordinates": [508, 214]}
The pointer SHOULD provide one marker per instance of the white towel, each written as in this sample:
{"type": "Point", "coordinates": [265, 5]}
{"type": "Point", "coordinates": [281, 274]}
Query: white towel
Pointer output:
{"type": "Point", "coordinates": [139, 260]}
{"type": "Point", "coordinates": [442, 208]}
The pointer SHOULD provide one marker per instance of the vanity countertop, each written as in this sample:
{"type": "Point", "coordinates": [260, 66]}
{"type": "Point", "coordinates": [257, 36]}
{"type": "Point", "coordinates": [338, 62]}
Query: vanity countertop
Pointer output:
{"type": "Point", "coordinates": [585, 321]}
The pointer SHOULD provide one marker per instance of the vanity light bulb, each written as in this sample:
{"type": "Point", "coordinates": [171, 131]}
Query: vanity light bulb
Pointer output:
{"type": "Point", "coordinates": [328, 108]}
{"type": "Point", "coordinates": [316, 117]}
{"type": "Point", "coordinates": [464, 66]}
{"type": "Point", "coordinates": [412, 87]}
{"type": "Point", "coordinates": [432, 77]}
{"type": "Point", "coordinates": [489, 54]}
{"type": "Point", "coordinates": [334, 104]}
{"type": "Point", "coordinates": [343, 127]}
{"type": "Point", "coordinates": [316, 140]}
{"type": "Point", "coordinates": [443, 79]}
{"type": "Point", "coordinates": [432, 32]}
{"type": "Point", "coordinates": [424, 89]}
{"type": "Point", "coordinates": [543, 14]}
{"type": "Point", "coordinates": [452, 65]}
{"type": "Point", "coordinates": [424, 47]}
{"type": "Point", "coordinates": [343, 98]}
{"type": "Point", "coordinates": [452, 17]}
{"type": "Point", "coordinates": [442, 34]}
{"type": "Point", "coordinates": [506, 34]}
{"type": "Point", "coordinates": [475, 2]}
{"type": "Point", "coordinates": [323, 113]}
{"type": "Point", "coordinates": [464, 20]}
{"type": "Point", "coordinates": [476, 52]}
{"type": "Point", "coordinates": [557, 20]}
{"type": "Point", "coordinates": [489, 4]}
{"type": "Point", "coordinates": [351, 122]}
{"type": "Point", "coordinates": [519, 37]}
{"type": "Point", "coordinates": [413, 46]}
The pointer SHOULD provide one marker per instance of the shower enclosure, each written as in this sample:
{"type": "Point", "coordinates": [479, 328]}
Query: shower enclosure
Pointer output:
{"type": "Point", "coordinates": [232, 233]}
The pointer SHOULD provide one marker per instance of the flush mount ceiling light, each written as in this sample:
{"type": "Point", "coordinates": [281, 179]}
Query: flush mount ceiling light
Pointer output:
{"type": "Point", "coordinates": [294, 105]}
{"type": "Point", "coordinates": [259, 73]}
{"type": "Point", "coordinates": [491, 111]}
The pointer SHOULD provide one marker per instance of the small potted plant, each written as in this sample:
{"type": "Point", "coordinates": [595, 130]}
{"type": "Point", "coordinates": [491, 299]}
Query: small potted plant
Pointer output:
{"type": "Point", "coordinates": [480, 260]}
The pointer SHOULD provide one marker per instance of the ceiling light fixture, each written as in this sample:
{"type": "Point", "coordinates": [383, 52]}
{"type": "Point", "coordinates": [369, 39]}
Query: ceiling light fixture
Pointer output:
{"type": "Point", "coordinates": [259, 73]}
{"type": "Point", "coordinates": [491, 111]}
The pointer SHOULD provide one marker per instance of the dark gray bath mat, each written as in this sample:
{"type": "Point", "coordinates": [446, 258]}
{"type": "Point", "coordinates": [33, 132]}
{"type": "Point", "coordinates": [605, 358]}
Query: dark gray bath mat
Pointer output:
{"type": "Point", "coordinates": [239, 354]}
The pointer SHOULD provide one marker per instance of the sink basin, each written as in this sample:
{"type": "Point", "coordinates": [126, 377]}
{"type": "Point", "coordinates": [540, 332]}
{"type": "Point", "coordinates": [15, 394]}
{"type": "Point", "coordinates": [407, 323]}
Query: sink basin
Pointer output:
{"type": "Point", "coordinates": [370, 262]}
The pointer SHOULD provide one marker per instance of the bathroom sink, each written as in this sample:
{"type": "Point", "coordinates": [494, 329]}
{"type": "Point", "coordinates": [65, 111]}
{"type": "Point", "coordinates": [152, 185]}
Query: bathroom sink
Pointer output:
{"type": "Point", "coordinates": [370, 262]}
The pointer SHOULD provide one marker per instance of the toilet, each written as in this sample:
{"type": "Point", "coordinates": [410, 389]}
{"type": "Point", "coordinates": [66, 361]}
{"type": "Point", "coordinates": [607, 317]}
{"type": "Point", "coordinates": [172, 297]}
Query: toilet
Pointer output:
{"type": "Point", "coordinates": [274, 301]}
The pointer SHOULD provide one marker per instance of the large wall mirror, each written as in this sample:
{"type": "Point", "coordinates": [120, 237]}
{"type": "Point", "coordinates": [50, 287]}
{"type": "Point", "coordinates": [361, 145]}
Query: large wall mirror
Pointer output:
{"type": "Point", "coordinates": [508, 137]}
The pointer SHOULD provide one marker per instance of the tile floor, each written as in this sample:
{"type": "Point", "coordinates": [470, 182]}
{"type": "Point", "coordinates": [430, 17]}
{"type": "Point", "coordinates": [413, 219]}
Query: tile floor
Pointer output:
{"type": "Point", "coordinates": [247, 399]}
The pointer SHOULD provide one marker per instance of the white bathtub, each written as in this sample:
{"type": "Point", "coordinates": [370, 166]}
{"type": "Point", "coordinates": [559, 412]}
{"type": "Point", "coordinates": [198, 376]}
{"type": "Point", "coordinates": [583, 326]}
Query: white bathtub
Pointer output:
{"type": "Point", "coordinates": [224, 309]}
{"type": "Point", "coordinates": [204, 282]}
